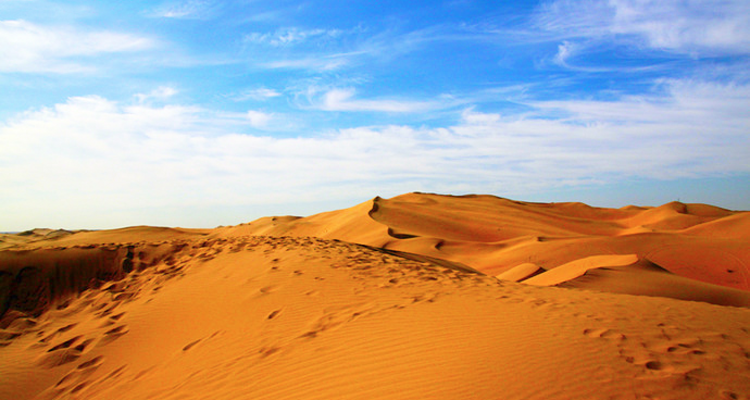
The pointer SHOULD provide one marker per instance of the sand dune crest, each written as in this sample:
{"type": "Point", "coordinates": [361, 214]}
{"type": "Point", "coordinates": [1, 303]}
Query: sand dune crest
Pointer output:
{"type": "Point", "coordinates": [577, 268]}
{"type": "Point", "coordinates": [494, 235]}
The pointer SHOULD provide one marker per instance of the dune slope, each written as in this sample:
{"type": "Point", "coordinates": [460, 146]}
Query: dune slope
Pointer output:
{"type": "Point", "coordinates": [419, 296]}
{"type": "Point", "coordinates": [494, 235]}
{"type": "Point", "coordinates": [258, 317]}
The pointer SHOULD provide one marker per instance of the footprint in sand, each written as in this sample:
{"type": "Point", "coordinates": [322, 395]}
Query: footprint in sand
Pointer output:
{"type": "Point", "coordinates": [274, 314]}
{"type": "Point", "coordinates": [268, 350]}
{"type": "Point", "coordinates": [335, 318]}
{"type": "Point", "coordinates": [65, 352]}
{"type": "Point", "coordinates": [664, 354]}
{"type": "Point", "coordinates": [118, 331]}
{"type": "Point", "coordinates": [191, 345]}
{"type": "Point", "coordinates": [76, 380]}
{"type": "Point", "coordinates": [108, 310]}
{"type": "Point", "coordinates": [729, 395]}
{"type": "Point", "coordinates": [113, 334]}
{"type": "Point", "coordinates": [117, 316]}
{"type": "Point", "coordinates": [66, 344]}
{"type": "Point", "coordinates": [56, 333]}
{"type": "Point", "coordinates": [268, 289]}
{"type": "Point", "coordinates": [604, 333]}
{"type": "Point", "coordinates": [91, 364]}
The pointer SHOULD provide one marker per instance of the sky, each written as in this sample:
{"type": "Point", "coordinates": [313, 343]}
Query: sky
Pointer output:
{"type": "Point", "coordinates": [199, 113]}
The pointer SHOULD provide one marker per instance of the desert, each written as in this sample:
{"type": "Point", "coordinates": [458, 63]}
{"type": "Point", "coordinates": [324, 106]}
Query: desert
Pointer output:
{"type": "Point", "coordinates": [420, 296]}
{"type": "Point", "coordinates": [374, 200]}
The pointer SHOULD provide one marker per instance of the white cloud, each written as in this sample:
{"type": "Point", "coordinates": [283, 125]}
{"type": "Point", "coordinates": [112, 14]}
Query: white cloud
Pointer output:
{"type": "Point", "coordinates": [690, 105]}
{"type": "Point", "coordinates": [291, 36]}
{"type": "Point", "coordinates": [331, 49]}
{"type": "Point", "coordinates": [28, 47]}
{"type": "Point", "coordinates": [712, 26]}
{"type": "Point", "coordinates": [564, 51]}
{"type": "Point", "coordinates": [296, 48]}
{"type": "Point", "coordinates": [720, 27]}
{"type": "Point", "coordinates": [317, 63]}
{"type": "Point", "coordinates": [258, 94]}
{"type": "Point", "coordinates": [259, 119]}
{"type": "Point", "coordinates": [160, 93]}
{"type": "Point", "coordinates": [343, 100]}
{"type": "Point", "coordinates": [90, 158]}
{"type": "Point", "coordinates": [190, 9]}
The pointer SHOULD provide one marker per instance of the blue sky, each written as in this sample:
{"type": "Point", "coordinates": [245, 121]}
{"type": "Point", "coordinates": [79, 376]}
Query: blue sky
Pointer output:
{"type": "Point", "coordinates": [200, 113]}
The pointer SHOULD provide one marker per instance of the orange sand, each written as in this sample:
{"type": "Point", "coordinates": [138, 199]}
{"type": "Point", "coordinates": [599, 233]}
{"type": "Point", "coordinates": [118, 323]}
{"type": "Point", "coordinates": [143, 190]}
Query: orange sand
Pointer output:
{"type": "Point", "coordinates": [494, 235]}
{"type": "Point", "coordinates": [292, 308]}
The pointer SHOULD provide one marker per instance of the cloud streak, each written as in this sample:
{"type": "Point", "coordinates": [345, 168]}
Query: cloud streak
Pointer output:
{"type": "Point", "coordinates": [322, 50]}
{"type": "Point", "coordinates": [291, 36]}
{"type": "Point", "coordinates": [344, 100]}
{"type": "Point", "coordinates": [703, 28]}
{"type": "Point", "coordinates": [30, 48]}
{"type": "Point", "coordinates": [190, 9]}
{"type": "Point", "coordinates": [259, 119]}
{"type": "Point", "coordinates": [258, 94]}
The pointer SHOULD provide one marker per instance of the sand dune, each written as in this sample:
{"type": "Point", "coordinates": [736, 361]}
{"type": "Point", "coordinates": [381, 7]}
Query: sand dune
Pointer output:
{"type": "Point", "coordinates": [576, 269]}
{"type": "Point", "coordinates": [293, 308]}
{"type": "Point", "coordinates": [494, 235]}
{"type": "Point", "coordinates": [631, 275]}
{"type": "Point", "coordinates": [521, 272]}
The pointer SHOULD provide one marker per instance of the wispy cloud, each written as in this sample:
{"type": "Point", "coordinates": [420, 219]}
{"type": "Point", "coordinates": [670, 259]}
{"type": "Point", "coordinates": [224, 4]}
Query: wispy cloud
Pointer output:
{"type": "Point", "coordinates": [90, 151]}
{"type": "Point", "coordinates": [320, 63]}
{"type": "Point", "coordinates": [28, 47]}
{"type": "Point", "coordinates": [160, 93]}
{"type": "Point", "coordinates": [291, 36]}
{"type": "Point", "coordinates": [259, 119]}
{"type": "Point", "coordinates": [189, 9]}
{"type": "Point", "coordinates": [343, 99]}
{"type": "Point", "coordinates": [257, 94]}
{"type": "Point", "coordinates": [334, 49]}
{"type": "Point", "coordinates": [703, 28]}
{"type": "Point", "coordinates": [686, 105]}
{"type": "Point", "coordinates": [302, 49]}
{"type": "Point", "coordinates": [568, 50]}
{"type": "Point", "coordinates": [564, 51]}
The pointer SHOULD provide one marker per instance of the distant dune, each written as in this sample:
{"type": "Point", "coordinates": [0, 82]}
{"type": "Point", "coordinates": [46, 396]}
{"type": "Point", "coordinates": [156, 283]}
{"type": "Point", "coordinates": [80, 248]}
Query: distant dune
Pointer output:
{"type": "Point", "coordinates": [420, 296]}
{"type": "Point", "coordinates": [494, 235]}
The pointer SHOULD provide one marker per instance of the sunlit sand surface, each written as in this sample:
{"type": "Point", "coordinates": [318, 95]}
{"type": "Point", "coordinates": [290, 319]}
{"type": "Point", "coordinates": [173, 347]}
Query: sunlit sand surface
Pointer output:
{"type": "Point", "coordinates": [415, 297]}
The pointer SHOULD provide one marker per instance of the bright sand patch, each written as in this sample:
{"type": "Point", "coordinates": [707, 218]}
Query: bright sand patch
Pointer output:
{"type": "Point", "coordinates": [577, 268]}
{"type": "Point", "coordinates": [520, 272]}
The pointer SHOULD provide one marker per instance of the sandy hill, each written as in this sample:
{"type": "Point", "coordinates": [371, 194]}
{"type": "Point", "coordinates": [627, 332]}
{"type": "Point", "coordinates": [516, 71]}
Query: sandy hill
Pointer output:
{"type": "Point", "coordinates": [494, 235]}
{"type": "Point", "coordinates": [390, 299]}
